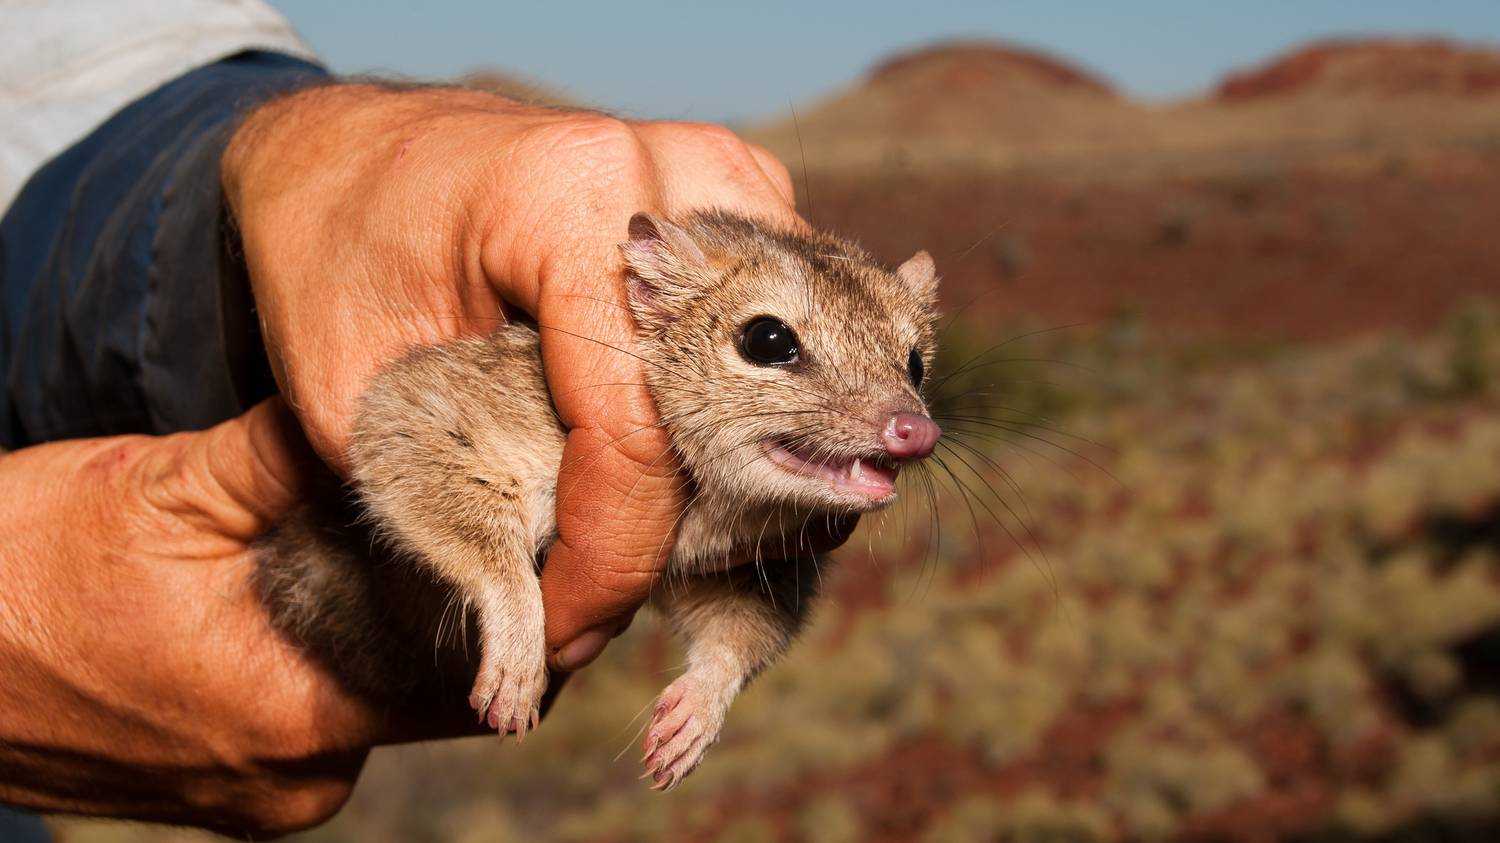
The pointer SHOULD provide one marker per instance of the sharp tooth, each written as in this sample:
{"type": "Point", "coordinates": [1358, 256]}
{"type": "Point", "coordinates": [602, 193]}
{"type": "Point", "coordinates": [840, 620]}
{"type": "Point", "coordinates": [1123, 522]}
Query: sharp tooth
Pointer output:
{"type": "Point", "coordinates": [856, 471]}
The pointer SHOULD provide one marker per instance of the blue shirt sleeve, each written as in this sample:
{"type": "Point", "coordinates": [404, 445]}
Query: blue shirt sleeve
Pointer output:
{"type": "Point", "coordinates": [124, 305]}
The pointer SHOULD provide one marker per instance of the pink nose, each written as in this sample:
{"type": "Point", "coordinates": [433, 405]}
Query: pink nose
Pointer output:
{"type": "Point", "coordinates": [909, 436]}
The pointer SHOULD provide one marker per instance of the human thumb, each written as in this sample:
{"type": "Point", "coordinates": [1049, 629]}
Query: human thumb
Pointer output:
{"type": "Point", "coordinates": [242, 475]}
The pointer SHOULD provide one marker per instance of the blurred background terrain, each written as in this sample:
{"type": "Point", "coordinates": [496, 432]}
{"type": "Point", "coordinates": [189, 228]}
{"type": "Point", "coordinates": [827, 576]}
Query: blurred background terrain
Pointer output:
{"type": "Point", "coordinates": [1212, 551]}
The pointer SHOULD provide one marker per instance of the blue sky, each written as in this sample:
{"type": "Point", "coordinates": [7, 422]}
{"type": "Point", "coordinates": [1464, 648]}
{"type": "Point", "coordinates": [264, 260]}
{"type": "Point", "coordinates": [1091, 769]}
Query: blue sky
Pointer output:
{"type": "Point", "coordinates": [746, 60]}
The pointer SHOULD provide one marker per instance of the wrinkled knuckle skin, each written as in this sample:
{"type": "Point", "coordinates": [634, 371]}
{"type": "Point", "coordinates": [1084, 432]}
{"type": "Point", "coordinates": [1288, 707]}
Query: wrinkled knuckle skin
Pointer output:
{"type": "Point", "coordinates": [608, 140]}
{"type": "Point", "coordinates": [720, 137]}
{"type": "Point", "coordinates": [729, 147]}
{"type": "Point", "coordinates": [602, 157]}
{"type": "Point", "coordinates": [164, 478]}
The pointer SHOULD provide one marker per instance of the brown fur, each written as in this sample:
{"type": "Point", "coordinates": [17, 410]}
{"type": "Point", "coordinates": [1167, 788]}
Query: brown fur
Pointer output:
{"type": "Point", "coordinates": [457, 449]}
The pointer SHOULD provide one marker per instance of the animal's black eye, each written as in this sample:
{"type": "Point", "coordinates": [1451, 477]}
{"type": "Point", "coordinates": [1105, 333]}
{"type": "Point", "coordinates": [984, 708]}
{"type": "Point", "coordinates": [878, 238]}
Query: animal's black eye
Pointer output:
{"type": "Point", "coordinates": [768, 341]}
{"type": "Point", "coordinates": [914, 368]}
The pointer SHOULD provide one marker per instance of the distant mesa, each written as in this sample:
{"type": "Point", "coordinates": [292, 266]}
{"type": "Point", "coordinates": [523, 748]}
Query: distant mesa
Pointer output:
{"type": "Point", "coordinates": [957, 66]}
{"type": "Point", "coordinates": [1372, 67]}
{"type": "Point", "coordinates": [954, 102]}
{"type": "Point", "coordinates": [517, 87]}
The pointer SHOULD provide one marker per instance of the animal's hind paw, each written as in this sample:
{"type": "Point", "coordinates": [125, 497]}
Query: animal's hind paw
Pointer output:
{"type": "Point", "coordinates": [686, 722]}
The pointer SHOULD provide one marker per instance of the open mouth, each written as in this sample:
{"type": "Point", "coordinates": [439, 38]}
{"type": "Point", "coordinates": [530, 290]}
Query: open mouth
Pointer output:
{"type": "Point", "coordinates": [872, 476]}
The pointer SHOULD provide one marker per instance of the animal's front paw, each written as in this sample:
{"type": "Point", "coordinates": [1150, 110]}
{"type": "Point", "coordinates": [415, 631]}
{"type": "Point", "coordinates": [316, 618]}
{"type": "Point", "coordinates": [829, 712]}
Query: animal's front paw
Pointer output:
{"type": "Point", "coordinates": [686, 722]}
{"type": "Point", "coordinates": [512, 675]}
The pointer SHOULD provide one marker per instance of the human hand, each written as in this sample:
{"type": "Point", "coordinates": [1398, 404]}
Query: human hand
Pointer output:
{"type": "Point", "coordinates": [142, 677]}
{"type": "Point", "coordinates": [375, 220]}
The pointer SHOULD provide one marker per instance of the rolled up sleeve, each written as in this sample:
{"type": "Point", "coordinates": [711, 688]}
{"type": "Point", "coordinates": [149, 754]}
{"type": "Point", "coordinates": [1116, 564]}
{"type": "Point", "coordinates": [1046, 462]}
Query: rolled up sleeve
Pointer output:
{"type": "Point", "coordinates": [124, 306]}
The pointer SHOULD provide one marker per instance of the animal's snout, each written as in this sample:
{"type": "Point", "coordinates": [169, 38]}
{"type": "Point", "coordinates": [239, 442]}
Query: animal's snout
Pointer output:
{"type": "Point", "coordinates": [909, 436]}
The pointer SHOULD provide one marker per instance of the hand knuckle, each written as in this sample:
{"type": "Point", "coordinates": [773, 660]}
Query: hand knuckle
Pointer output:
{"type": "Point", "coordinates": [715, 135]}
{"type": "Point", "coordinates": [167, 481]}
{"type": "Point", "coordinates": [604, 137]}
{"type": "Point", "coordinates": [730, 149]}
{"type": "Point", "coordinates": [774, 167]}
{"type": "Point", "coordinates": [604, 158]}
{"type": "Point", "coordinates": [764, 155]}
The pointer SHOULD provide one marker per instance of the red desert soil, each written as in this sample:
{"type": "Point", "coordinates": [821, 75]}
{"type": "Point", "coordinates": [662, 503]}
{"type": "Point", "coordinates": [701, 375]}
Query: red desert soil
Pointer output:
{"type": "Point", "coordinates": [1279, 256]}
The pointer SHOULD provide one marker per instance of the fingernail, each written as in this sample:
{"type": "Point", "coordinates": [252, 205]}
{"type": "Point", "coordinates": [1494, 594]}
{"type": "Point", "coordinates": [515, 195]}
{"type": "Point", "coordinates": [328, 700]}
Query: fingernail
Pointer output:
{"type": "Point", "coordinates": [582, 650]}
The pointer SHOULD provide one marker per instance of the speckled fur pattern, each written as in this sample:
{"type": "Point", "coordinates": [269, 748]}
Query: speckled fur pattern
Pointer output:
{"type": "Point", "coordinates": [457, 449]}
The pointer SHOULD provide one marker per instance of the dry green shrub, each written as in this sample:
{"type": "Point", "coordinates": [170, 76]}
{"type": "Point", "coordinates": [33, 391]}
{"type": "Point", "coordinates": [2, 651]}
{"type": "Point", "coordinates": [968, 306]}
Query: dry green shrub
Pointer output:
{"type": "Point", "coordinates": [1332, 685]}
{"type": "Point", "coordinates": [1473, 336]}
{"type": "Point", "coordinates": [971, 820]}
{"type": "Point", "coordinates": [829, 819]}
{"type": "Point", "coordinates": [1473, 731]}
{"type": "Point", "coordinates": [626, 818]}
{"type": "Point", "coordinates": [1424, 773]}
{"type": "Point", "coordinates": [747, 830]}
{"type": "Point", "coordinates": [1423, 608]}
{"type": "Point", "coordinates": [1192, 773]}
{"type": "Point", "coordinates": [1036, 816]}
{"type": "Point", "coordinates": [1360, 813]}
{"type": "Point", "coordinates": [1148, 818]}
{"type": "Point", "coordinates": [996, 706]}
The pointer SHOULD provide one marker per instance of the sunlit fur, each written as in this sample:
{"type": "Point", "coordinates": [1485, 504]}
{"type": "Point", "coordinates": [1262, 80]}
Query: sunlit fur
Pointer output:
{"type": "Point", "coordinates": [856, 321]}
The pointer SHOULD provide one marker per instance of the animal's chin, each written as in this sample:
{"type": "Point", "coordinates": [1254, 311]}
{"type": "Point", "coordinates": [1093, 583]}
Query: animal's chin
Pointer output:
{"type": "Point", "coordinates": [865, 482]}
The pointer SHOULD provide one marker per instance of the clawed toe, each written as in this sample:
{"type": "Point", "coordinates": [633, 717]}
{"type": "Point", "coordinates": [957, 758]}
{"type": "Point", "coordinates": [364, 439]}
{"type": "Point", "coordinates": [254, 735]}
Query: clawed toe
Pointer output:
{"type": "Point", "coordinates": [511, 708]}
{"type": "Point", "coordinates": [684, 725]}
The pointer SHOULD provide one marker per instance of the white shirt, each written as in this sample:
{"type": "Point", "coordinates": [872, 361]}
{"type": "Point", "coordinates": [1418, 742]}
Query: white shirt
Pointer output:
{"type": "Point", "coordinates": [68, 65]}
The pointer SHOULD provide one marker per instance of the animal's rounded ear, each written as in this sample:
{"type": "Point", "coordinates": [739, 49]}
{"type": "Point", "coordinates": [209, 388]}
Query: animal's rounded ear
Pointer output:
{"type": "Point", "coordinates": [919, 274]}
{"type": "Point", "coordinates": [663, 267]}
